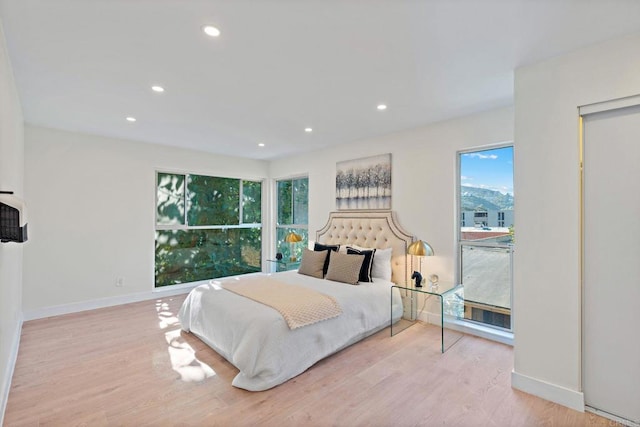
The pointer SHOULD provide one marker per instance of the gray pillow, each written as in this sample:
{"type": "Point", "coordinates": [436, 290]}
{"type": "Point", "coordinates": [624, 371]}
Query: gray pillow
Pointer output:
{"type": "Point", "coordinates": [312, 263]}
{"type": "Point", "coordinates": [344, 268]}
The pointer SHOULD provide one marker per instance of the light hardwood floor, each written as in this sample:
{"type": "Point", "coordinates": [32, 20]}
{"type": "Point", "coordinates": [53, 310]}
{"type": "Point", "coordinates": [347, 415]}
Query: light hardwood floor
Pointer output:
{"type": "Point", "coordinates": [131, 365]}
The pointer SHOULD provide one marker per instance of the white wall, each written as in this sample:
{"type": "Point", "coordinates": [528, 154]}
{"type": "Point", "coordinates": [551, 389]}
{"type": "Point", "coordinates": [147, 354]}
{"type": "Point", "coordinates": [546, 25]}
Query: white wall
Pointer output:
{"type": "Point", "coordinates": [547, 294]}
{"type": "Point", "coordinates": [423, 177]}
{"type": "Point", "coordinates": [11, 179]}
{"type": "Point", "coordinates": [92, 207]}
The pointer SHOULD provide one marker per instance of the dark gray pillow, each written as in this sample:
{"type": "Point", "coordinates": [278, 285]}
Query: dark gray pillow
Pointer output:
{"type": "Point", "coordinates": [320, 247]}
{"type": "Point", "coordinates": [367, 264]}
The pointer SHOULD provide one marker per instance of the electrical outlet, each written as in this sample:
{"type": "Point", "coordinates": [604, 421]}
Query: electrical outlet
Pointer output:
{"type": "Point", "coordinates": [119, 282]}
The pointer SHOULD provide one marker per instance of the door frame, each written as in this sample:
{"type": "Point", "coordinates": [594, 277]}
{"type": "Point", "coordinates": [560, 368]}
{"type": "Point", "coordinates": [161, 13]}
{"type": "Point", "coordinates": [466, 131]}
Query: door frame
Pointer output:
{"type": "Point", "coordinates": [585, 110]}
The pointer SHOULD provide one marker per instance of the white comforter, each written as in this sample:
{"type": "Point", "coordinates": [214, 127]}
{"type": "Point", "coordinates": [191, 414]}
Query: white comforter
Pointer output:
{"type": "Point", "coordinates": [256, 339]}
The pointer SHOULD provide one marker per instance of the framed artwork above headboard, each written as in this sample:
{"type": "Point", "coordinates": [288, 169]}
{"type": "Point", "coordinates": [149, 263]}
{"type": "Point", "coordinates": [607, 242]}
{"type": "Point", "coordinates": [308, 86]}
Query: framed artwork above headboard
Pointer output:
{"type": "Point", "coordinates": [364, 184]}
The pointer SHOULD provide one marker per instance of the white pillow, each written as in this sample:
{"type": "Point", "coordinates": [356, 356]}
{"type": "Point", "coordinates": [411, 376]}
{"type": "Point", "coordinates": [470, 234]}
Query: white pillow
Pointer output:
{"type": "Point", "coordinates": [381, 262]}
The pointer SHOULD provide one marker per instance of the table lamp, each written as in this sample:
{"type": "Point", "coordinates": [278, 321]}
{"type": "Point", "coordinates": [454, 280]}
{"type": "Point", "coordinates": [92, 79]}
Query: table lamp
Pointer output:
{"type": "Point", "coordinates": [293, 238]}
{"type": "Point", "coordinates": [421, 249]}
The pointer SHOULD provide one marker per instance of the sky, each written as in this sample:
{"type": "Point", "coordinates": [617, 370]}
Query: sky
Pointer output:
{"type": "Point", "coordinates": [491, 169]}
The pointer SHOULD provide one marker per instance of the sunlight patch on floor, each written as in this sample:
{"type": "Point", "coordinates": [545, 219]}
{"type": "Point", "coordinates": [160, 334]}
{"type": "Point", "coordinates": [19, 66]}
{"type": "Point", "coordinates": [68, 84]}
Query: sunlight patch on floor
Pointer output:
{"type": "Point", "coordinates": [166, 317]}
{"type": "Point", "coordinates": [184, 361]}
{"type": "Point", "coordinates": [181, 354]}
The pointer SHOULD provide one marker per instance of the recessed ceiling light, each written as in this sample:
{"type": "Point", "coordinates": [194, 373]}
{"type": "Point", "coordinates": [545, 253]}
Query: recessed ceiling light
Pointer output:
{"type": "Point", "coordinates": [261, 145]}
{"type": "Point", "coordinates": [157, 89]}
{"type": "Point", "coordinates": [308, 130]}
{"type": "Point", "coordinates": [211, 31]}
{"type": "Point", "coordinates": [131, 119]}
{"type": "Point", "coordinates": [381, 107]}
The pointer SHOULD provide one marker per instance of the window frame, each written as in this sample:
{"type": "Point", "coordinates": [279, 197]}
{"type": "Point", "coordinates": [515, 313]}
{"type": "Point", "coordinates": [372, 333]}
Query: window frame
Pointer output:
{"type": "Point", "coordinates": [458, 236]}
{"type": "Point", "coordinates": [186, 227]}
{"type": "Point", "coordinates": [276, 205]}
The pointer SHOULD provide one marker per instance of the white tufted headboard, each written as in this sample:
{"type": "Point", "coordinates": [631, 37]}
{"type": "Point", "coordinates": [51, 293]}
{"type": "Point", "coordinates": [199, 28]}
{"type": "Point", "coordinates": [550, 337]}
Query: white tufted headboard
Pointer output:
{"type": "Point", "coordinates": [370, 229]}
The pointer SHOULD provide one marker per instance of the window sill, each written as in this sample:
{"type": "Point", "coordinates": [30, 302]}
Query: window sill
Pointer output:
{"type": "Point", "coordinates": [472, 328]}
{"type": "Point", "coordinates": [183, 288]}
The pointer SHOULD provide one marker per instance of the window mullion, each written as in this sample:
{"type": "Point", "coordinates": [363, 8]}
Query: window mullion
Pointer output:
{"type": "Point", "coordinates": [186, 200]}
{"type": "Point", "coordinates": [240, 202]}
{"type": "Point", "coordinates": [292, 204]}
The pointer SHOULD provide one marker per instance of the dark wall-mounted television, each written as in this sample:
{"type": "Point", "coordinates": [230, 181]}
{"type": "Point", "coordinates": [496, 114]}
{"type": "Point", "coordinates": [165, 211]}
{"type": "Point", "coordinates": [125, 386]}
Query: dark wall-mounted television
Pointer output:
{"type": "Point", "coordinates": [13, 219]}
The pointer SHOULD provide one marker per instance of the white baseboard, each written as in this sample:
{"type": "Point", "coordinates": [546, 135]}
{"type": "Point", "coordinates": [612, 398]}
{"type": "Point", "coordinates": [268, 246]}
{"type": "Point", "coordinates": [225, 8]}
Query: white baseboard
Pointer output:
{"type": "Point", "coordinates": [617, 421]}
{"type": "Point", "coordinates": [428, 317]}
{"type": "Point", "coordinates": [76, 307]}
{"type": "Point", "coordinates": [9, 368]}
{"type": "Point", "coordinates": [471, 328]}
{"type": "Point", "coordinates": [560, 395]}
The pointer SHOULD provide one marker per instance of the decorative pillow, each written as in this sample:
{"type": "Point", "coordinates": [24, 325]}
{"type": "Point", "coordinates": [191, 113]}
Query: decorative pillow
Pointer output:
{"type": "Point", "coordinates": [367, 264]}
{"type": "Point", "coordinates": [381, 262]}
{"type": "Point", "coordinates": [321, 247]}
{"type": "Point", "coordinates": [312, 263]}
{"type": "Point", "coordinates": [344, 268]}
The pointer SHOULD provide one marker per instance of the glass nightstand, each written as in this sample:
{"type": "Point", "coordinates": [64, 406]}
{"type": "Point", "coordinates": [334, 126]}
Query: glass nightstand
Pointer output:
{"type": "Point", "coordinates": [437, 306]}
{"type": "Point", "coordinates": [284, 264]}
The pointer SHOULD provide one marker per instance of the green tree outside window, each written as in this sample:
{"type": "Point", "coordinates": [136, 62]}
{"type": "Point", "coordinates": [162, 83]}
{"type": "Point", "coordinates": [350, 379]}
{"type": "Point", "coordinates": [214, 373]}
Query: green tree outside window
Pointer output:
{"type": "Point", "coordinates": [213, 241]}
{"type": "Point", "coordinates": [293, 215]}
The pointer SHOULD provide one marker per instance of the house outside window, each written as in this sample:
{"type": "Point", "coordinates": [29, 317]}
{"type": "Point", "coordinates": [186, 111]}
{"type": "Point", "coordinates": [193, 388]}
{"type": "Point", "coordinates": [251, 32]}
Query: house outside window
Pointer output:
{"type": "Point", "coordinates": [292, 201]}
{"type": "Point", "coordinates": [485, 255]}
{"type": "Point", "coordinates": [206, 227]}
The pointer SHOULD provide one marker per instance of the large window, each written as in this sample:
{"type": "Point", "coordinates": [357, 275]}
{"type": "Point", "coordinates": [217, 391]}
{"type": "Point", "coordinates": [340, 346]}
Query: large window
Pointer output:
{"type": "Point", "coordinates": [486, 234]}
{"type": "Point", "coordinates": [293, 215]}
{"type": "Point", "coordinates": [206, 227]}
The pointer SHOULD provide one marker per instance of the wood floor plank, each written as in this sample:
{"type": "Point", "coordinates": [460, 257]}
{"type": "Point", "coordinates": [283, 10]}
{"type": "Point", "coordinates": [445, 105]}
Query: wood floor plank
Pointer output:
{"type": "Point", "coordinates": [131, 365]}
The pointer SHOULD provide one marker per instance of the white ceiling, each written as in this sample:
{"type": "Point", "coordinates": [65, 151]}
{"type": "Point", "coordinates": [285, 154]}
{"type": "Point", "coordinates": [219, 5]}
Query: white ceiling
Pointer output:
{"type": "Point", "coordinates": [282, 65]}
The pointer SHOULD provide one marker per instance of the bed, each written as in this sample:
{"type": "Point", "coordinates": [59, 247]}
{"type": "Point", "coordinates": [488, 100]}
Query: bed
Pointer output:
{"type": "Point", "coordinates": [256, 339]}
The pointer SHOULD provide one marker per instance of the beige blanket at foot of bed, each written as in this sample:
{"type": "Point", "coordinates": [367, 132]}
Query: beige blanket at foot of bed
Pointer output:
{"type": "Point", "coordinates": [298, 305]}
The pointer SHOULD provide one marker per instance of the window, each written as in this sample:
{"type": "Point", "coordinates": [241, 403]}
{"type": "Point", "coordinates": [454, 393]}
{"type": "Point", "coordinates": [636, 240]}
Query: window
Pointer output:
{"type": "Point", "coordinates": [486, 246]}
{"type": "Point", "coordinates": [481, 219]}
{"type": "Point", "coordinates": [206, 227]}
{"type": "Point", "coordinates": [293, 215]}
